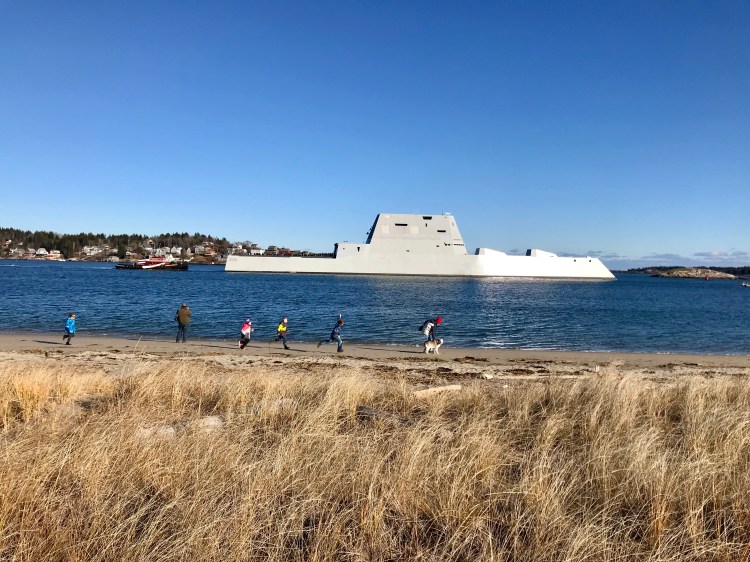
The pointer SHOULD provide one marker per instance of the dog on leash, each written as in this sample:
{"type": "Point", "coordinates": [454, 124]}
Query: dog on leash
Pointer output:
{"type": "Point", "coordinates": [433, 346]}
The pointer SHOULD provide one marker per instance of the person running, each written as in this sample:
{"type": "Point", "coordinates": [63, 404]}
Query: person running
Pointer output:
{"type": "Point", "coordinates": [335, 335]}
{"type": "Point", "coordinates": [245, 332]}
{"type": "Point", "coordinates": [70, 328]}
{"type": "Point", "coordinates": [183, 322]}
{"type": "Point", "coordinates": [281, 332]}
{"type": "Point", "coordinates": [429, 327]}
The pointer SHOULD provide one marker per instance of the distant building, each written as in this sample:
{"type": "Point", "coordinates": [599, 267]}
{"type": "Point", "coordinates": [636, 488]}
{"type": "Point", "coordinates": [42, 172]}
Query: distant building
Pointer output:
{"type": "Point", "coordinates": [91, 250]}
{"type": "Point", "coordinates": [272, 250]}
{"type": "Point", "coordinates": [41, 253]}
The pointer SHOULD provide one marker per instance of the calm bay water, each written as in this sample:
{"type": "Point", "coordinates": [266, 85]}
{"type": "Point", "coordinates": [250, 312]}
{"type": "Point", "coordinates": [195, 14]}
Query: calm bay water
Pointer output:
{"type": "Point", "coordinates": [634, 313]}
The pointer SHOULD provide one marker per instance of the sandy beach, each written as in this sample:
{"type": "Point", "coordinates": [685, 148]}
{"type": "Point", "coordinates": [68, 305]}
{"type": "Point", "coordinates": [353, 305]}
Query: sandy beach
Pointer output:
{"type": "Point", "coordinates": [495, 361]}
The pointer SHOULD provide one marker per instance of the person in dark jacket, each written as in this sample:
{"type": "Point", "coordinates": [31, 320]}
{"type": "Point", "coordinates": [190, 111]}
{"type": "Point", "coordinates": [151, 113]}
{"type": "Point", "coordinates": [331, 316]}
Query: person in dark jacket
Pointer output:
{"type": "Point", "coordinates": [183, 322]}
{"type": "Point", "coordinates": [335, 336]}
{"type": "Point", "coordinates": [429, 328]}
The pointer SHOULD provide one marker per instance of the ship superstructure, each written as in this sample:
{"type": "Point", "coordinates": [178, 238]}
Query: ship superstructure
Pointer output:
{"type": "Point", "coordinates": [400, 244]}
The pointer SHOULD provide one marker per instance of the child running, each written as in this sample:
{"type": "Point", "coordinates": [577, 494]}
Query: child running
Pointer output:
{"type": "Point", "coordinates": [281, 332]}
{"type": "Point", "coordinates": [245, 332]}
{"type": "Point", "coordinates": [70, 328]}
{"type": "Point", "coordinates": [335, 335]}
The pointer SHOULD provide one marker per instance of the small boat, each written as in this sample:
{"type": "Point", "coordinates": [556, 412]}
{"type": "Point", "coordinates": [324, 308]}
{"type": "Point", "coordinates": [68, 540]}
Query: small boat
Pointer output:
{"type": "Point", "coordinates": [155, 262]}
{"type": "Point", "coordinates": [745, 284]}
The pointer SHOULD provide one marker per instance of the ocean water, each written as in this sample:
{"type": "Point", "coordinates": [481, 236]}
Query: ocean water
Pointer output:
{"type": "Point", "coordinates": [635, 313]}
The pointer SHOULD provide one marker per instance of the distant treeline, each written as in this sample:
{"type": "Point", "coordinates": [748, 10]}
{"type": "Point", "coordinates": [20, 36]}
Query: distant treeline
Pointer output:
{"type": "Point", "coordinates": [70, 244]}
{"type": "Point", "coordinates": [744, 270]}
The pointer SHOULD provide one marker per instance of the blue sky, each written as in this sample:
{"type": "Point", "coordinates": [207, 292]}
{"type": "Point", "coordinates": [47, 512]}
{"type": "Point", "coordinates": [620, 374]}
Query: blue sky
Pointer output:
{"type": "Point", "coordinates": [619, 129]}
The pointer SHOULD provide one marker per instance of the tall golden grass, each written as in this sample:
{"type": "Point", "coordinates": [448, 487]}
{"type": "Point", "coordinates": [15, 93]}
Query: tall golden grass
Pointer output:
{"type": "Point", "coordinates": [604, 468]}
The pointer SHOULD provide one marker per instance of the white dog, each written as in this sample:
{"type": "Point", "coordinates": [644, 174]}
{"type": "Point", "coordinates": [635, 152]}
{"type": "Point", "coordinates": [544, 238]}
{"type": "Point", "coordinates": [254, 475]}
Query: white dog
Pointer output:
{"type": "Point", "coordinates": [433, 346]}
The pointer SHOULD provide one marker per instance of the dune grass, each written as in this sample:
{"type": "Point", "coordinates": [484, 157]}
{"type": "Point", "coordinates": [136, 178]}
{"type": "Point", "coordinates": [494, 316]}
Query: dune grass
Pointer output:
{"type": "Point", "coordinates": [602, 468]}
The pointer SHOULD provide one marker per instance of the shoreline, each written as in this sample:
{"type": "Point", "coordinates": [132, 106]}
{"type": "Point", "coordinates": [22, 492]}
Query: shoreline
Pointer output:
{"type": "Point", "coordinates": [39, 342]}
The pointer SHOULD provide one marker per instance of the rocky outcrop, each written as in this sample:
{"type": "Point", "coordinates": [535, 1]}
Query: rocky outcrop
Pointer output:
{"type": "Point", "coordinates": [695, 273]}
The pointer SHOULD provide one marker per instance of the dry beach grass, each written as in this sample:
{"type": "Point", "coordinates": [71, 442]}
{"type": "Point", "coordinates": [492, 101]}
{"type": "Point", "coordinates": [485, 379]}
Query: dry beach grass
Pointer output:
{"type": "Point", "coordinates": [203, 458]}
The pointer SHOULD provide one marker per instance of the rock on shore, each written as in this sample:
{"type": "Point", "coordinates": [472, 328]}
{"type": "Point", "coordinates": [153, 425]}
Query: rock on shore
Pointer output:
{"type": "Point", "coordinates": [695, 273]}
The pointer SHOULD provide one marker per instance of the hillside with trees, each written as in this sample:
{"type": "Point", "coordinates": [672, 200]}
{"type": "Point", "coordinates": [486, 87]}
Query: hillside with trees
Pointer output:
{"type": "Point", "coordinates": [70, 245]}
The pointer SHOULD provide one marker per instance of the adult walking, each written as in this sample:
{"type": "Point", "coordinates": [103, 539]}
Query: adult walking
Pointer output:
{"type": "Point", "coordinates": [335, 335]}
{"type": "Point", "coordinates": [183, 322]}
{"type": "Point", "coordinates": [429, 328]}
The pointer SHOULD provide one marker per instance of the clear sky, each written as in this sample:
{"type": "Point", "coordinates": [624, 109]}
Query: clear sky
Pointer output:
{"type": "Point", "coordinates": [619, 129]}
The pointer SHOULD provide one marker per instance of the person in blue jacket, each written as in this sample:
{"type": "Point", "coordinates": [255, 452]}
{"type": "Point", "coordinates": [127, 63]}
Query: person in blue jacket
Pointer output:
{"type": "Point", "coordinates": [335, 335]}
{"type": "Point", "coordinates": [70, 328]}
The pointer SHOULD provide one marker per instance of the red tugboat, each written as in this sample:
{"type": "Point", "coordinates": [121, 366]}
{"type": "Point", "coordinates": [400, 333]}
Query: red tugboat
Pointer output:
{"type": "Point", "coordinates": [155, 262]}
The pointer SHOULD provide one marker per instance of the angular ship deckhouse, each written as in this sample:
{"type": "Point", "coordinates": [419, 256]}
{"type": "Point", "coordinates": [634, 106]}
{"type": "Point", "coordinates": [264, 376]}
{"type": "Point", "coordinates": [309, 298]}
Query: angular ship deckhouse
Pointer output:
{"type": "Point", "coordinates": [424, 245]}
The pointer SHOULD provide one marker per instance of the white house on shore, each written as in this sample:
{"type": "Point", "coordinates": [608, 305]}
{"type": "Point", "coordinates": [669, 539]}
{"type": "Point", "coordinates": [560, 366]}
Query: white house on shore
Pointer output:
{"type": "Point", "coordinates": [91, 250]}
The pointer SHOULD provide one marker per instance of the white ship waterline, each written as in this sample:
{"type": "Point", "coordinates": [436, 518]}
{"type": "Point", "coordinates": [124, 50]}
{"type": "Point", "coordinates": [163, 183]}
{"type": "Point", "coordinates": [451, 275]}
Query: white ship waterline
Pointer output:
{"type": "Point", "coordinates": [430, 245]}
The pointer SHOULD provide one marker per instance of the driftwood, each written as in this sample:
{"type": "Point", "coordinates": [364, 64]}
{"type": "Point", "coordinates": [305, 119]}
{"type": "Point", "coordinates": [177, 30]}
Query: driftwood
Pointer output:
{"type": "Point", "coordinates": [270, 406]}
{"type": "Point", "coordinates": [170, 431]}
{"type": "Point", "coordinates": [365, 412]}
{"type": "Point", "coordinates": [436, 390]}
{"type": "Point", "coordinates": [156, 432]}
{"type": "Point", "coordinates": [208, 423]}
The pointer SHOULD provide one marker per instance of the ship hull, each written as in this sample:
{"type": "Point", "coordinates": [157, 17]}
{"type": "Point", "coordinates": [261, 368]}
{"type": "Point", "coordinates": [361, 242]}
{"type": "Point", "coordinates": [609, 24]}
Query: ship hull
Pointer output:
{"type": "Point", "coordinates": [433, 266]}
{"type": "Point", "coordinates": [430, 245]}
